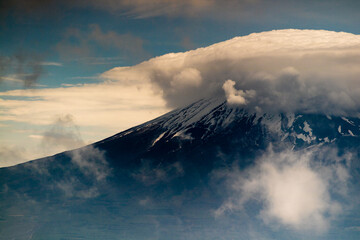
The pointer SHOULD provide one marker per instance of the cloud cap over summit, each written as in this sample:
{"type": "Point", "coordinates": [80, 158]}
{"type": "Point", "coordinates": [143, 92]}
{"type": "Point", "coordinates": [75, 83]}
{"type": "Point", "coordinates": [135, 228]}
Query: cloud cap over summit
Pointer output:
{"type": "Point", "coordinates": [312, 71]}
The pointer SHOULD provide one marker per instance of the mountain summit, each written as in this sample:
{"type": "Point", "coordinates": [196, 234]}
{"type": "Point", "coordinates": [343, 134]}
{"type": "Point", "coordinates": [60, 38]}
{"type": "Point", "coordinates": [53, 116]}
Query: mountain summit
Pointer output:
{"type": "Point", "coordinates": [205, 171]}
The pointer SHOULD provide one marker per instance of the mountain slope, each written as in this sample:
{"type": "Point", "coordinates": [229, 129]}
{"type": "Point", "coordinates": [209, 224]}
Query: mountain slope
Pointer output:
{"type": "Point", "coordinates": [165, 179]}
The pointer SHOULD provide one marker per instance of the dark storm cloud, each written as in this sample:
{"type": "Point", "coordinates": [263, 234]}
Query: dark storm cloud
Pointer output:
{"type": "Point", "coordinates": [170, 8]}
{"type": "Point", "coordinates": [220, 9]}
{"type": "Point", "coordinates": [22, 67]}
{"type": "Point", "coordinates": [132, 8]}
{"type": "Point", "coordinates": [23, 9]}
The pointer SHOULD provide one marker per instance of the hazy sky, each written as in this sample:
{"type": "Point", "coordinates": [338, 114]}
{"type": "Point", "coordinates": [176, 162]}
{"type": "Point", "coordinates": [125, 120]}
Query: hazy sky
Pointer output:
{"type": "Point", "coordinates": [56, 88]}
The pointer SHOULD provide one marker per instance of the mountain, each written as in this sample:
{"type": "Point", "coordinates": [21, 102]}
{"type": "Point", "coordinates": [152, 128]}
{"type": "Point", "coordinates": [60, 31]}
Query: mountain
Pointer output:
{"type": "Point", "coordinates": [173, 178]}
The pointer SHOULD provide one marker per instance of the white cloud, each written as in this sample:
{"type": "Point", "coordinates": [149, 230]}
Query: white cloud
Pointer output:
{"type": "Point", "coordinates": [293, 188]}
{"type": "Point", "coordinates": [234, 96]}
{"type": "Point", "coordinates": [290, 70]}
{"type": "Point", "coordinates": [296, 195]}
{"type": "Point", "coordinates": [91, 162]}
{"type": "Point", "coordinates": [107, 105]}
{"type": "Point", "coordinates": [98, 109]}
{"type": "Point", "coordinates": [187, 78]}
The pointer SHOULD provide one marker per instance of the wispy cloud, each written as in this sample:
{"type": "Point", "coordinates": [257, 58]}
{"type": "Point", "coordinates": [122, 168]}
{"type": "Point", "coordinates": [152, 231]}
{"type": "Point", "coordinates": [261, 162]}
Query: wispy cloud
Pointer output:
{"type": "Point", "coordinates": [83, 45]}
{"type": "Point", "coordinates": [12, 78]}
{"type": "Point", "coordinates": [145, 9]}
{"type": "Point", "coordinates": [18, 79]}
{"type": "Point", "coordinates": [63, 135]}
{"type": "Point", "coordinates": [57, 64]}
{"type": "Point", "coordinates": [353, 228]}
{"type": "Point", "coordinates": [117, 106]}
{"type": "Point", "coordinates": [100, 60]}
{"type": "Point", "coordinates": [150, 175]}
{"type": "Point", "coordinates": [22, 67]}
{"type": "Point", "coordinates": [92, 171]}
{"type": "Point", "coordinates": [91, 162]}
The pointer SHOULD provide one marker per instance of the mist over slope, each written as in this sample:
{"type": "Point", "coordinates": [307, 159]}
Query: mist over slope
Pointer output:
{"type": "Point", "coordinates": [207, 171]}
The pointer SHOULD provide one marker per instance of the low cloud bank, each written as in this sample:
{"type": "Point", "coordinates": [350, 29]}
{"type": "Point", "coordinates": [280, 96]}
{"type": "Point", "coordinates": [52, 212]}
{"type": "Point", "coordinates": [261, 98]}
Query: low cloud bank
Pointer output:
{"type": "Point", "coordinates": [300, 190]}
{"type": "Point", "coordinates": [312, 71]}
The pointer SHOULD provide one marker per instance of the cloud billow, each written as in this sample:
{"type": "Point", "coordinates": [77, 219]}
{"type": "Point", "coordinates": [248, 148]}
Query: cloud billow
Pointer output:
{"type": "Point", "coordinates": [292, 188]}
{"type": "Point", "coordinates": [310, 71]}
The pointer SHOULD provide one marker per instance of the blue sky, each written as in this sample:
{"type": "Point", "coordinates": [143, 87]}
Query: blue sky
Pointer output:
{"type": "Point", "coordinates": [41, 30]}
{"type": "Point", "coordinates": [56, 45]}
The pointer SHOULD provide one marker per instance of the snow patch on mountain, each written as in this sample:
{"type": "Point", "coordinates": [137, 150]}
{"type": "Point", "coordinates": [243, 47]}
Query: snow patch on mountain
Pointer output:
{"type": "Point", "coordinates": [183, 135]}
{"type": "Point", "coordinates": [158, 138]}
{"type": "Point", "coordinates": [348, 121]}
{"type": "Point", "coordinates": [213, 116]}
{"type": "Point", "coordinates": [339, 129]}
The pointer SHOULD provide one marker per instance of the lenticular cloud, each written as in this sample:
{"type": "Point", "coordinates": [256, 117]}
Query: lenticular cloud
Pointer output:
{"type": "Point", "coordinates": [312, 71]}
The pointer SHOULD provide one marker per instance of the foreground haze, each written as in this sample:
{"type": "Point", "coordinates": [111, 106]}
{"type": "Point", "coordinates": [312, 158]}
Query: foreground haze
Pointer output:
{"type": "Point", "coordinates": [211, 170]}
